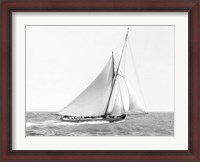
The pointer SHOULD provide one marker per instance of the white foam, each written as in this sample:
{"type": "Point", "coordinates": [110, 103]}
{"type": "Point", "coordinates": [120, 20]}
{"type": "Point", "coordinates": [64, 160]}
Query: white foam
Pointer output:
{"type": "Point", "coordinates": [31, 124]}
{"type": "Point", "coordinates": [54, 122]}
{"type": "Point", "coordinates": [79, 123]}
{"type": "Point", "coordinates": [50, 121]}
{"type": "Point", "coordinates": [120, 121]}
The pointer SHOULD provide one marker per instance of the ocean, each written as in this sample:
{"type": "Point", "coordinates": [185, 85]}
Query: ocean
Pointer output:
{"type": "Point", "coordinates": [151, 124]}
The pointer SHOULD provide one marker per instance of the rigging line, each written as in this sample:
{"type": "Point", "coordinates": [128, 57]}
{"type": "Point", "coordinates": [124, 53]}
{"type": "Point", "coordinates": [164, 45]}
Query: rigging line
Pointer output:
{"type": "Point", "coordinates": [117, 51]}
{"type": "Point", "coordinates": [116, 72]}
{"type": "Point", "coordinates": [123, 69]}
{"type": "Point", "coordinates": [113, 65]}
{"type": "Point", "coordinates": [137, 76]}
{"type": "Point", "coordinates": [122, 103]}
{"type": "Point", "coordinates": [120, 75]}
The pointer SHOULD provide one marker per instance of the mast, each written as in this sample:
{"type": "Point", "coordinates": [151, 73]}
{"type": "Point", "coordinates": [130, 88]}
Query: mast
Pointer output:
{"type": "Point", "coordinates": [115, 76]}
{"type": "Point", "coordinates": [122, 51]}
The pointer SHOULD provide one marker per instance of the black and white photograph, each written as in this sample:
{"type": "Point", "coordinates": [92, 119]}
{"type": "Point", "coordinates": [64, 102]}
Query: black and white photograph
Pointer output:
{"type": "Point", "coordinates": [99, 80]}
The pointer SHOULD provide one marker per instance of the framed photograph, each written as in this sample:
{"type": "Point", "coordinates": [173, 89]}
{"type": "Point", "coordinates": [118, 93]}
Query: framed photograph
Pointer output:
{"type": "Point", "coordinates": [100, 80]}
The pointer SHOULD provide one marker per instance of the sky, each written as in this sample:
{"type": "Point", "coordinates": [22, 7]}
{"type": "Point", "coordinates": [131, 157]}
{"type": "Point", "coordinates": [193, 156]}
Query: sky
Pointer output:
{"type": "Point", "coordinates": [61, 61]}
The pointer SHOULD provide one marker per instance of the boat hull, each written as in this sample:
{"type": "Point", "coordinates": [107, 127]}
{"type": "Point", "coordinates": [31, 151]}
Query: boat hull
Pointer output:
{"type": "Point", "coordinates": [109, 119]}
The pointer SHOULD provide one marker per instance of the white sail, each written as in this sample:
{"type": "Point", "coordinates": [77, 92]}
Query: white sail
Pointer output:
{"type": "Point", "coordinates": [94, 99]}
{"type": "Point", "coordinates": [135, 104]}
{"type": "Point", "coordinates": [118, 108]}
{"type": "Point", "coordinates": [104, 95]}
{"type": "Point", "coordinates": [113, 95]}
{"type": "Point", "coordinates": [118, 70]}
{"type": "Point", "coordinates": [125, 96]}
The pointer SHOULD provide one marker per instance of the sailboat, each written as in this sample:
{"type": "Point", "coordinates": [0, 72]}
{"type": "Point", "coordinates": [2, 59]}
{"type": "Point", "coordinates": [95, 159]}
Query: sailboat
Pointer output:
{"type": "Point", "coordinates": [102, 100]}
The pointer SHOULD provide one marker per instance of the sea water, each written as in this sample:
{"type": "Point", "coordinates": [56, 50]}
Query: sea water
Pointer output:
{"type": "Point", "coordinates": [151, 124]}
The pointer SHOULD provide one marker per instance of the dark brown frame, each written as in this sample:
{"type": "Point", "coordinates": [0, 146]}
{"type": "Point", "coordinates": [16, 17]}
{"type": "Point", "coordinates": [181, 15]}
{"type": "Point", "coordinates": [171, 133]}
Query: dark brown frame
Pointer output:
{"type": "Point", "coordinates": [9, 6]}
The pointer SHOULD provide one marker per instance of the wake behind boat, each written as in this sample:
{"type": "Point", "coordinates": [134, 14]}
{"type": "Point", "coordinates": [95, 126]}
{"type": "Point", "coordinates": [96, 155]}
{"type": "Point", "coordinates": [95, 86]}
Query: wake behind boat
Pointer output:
{"type": "Point", "coordinates": [103, 99]}
{"type": "Point", "coordinates": [86, 119]}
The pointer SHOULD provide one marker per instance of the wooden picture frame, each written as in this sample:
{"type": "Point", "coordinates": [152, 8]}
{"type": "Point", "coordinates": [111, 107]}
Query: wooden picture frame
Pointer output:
{"type": "Point", "coordinates": [9, 6]}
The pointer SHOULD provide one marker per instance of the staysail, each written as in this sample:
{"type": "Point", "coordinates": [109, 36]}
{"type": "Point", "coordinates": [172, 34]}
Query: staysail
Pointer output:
{"type": "Point", "coordinates": [93, 100]}
{"type": "Point", "coordinates": [118, 108]}
{"type": "Point", "coordinates": [134, 103]}
{"type": "Point", "coordinates": [113, 96]}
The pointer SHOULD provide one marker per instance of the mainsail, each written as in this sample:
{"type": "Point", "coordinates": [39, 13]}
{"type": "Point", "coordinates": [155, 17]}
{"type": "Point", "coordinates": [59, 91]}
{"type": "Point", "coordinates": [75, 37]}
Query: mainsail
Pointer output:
{"type": "Point", "coordinates": [93, 100]}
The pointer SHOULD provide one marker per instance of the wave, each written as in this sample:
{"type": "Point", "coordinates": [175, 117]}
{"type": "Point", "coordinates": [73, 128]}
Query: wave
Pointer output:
{"type": "Point", "coordinates": [55, 123]}
{"type": "Point", "coordinates": [80, 123]}
{"type": "Point", "coordinates": [32, 124]}
{"type": "Point", "coordinates": [48, 122]}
